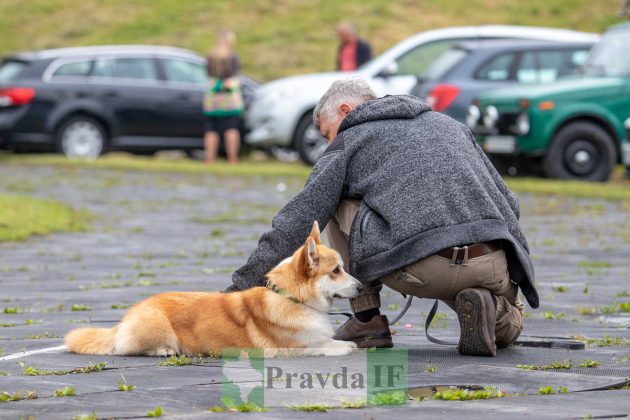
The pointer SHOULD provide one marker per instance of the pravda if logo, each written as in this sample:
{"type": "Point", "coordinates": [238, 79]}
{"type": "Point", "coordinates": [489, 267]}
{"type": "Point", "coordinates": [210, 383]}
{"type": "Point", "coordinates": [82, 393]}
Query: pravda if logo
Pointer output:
{"type": "Point", "coordinates": [250, 378]}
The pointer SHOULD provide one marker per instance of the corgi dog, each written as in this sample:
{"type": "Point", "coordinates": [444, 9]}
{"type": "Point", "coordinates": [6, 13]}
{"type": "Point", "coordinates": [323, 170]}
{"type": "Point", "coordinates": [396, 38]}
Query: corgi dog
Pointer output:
{"type": "Point", "coordinates": [289, 317]}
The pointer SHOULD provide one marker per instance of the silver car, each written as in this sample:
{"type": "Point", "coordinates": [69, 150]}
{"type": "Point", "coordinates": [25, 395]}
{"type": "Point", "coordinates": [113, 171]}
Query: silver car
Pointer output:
{"type": "Point", "coordinates": [281, 111]}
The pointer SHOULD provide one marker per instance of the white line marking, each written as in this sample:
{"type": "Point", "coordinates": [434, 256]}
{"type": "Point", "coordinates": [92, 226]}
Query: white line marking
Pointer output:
{"type": "Point", "coordinates": [31, 352]}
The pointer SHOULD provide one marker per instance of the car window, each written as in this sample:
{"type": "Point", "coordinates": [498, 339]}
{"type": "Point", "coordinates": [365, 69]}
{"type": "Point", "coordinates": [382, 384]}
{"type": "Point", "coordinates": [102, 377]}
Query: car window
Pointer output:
{"type": "Point", "coordinates": [548, 66]}
{"type": "Point", "coordinates": [497, 69]}
{"type": "Point", "coordinates": [444, 63]}
{"type": "Point", "coordinates": [416, 61]}
{"type": "Point", "coordinates": [77, 68]}
{"type": "Point", "coordinates": [610, 56]}
{"type": "Point", "coordinates": [10, 69]}
{"type": "Point", "coordinates": [176, 70]}
{"type": "Point", "coordinates": [126, 68]}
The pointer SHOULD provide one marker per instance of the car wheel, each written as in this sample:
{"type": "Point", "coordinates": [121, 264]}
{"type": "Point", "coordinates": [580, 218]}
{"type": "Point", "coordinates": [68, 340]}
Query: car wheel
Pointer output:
{"type": "Point", "coordinates": [582, 151]}
{"type": "Point", "coordinates": [504, 165]}
{"type": "Point", "coordinates": [81, 138]}
{"type": "Point", "coordinates": [308, 141]}
{"type": "Point", "coordinates": [196, 154]}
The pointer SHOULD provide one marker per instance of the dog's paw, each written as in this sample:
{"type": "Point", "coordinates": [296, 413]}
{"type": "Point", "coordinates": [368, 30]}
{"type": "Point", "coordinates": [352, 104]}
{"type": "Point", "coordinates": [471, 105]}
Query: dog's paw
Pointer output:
{"type": "Point", "coordinates": [339, 348]}
{"type": "Point", "coordinates": [342, 344]}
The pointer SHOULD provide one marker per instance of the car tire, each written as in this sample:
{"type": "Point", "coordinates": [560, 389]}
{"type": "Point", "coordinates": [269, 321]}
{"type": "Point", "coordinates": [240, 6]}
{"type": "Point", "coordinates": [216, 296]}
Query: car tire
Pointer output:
{"type": "Point", "coordinates": [581, 151]}
{"type": "Point", "coordinates": [308, 142]}
{"type": "Point", "coordinates": [504, 165]}
{"type": "Point", "coordinates": [81, 137]}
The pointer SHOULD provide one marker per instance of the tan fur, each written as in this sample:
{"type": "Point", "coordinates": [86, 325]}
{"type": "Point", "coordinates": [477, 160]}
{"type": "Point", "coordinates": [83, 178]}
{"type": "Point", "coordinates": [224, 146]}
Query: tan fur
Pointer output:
{"type": "Point", "coordinates": [199, 323]}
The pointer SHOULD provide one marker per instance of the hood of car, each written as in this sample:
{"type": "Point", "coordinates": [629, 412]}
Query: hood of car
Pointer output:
{"type": "Point", "coordinates": [573, 88]}
{"type": "Point", "coordinates": [312, 84]}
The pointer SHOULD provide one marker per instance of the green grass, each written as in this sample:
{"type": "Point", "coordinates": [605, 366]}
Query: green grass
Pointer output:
{"type": "Point", "coordinates": [548, 389]}
{"type": "Point", "coordinates": [27, 395]}
{"type": "Point", "coordinates": [33, 371]}
{"type": "Point", "coordinates": [22, 217]}
{"type": "Point", "coordinates": [231, 406]}
{"type": "Point", "coordinates": [274, 39]}
{"type": "Point", "coordinates": [618, 189]}
{"type": "Point", "coordinates": [123, 386]}
{"type": "Point", "coordinates": [551, 366]}
{"type": "Point", "coordinates": [156, 413]}
{"type": "Point", "coordinates": [608, 341]}
{"type": "Point", "coordinates": [458, 394]}
{"type": "Point", "coordinates": [310, 408]}
{"type": "Point", "coordinates": [124, 162]}
{"type": "Point", "coordinates": [182, 360]}
{"type": "Point", "coordinates": [389, 398]}
{"type": "Point", "coordinates": [66, 391]}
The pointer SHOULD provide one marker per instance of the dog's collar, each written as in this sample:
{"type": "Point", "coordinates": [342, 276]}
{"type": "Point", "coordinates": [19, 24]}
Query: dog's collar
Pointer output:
{"type": "Point", "coordinates": [282, 292]}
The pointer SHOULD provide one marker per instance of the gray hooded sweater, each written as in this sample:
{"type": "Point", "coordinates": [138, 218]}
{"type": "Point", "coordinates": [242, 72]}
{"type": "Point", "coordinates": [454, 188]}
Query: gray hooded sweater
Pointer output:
{"type": "Point", "coordinates": [424, 185]}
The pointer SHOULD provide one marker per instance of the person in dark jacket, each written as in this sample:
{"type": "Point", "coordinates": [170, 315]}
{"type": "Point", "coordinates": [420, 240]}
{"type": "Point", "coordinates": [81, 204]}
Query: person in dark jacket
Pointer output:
{"type": "Point", "coordinates": [353, 51]}
{"type": "Point", "coordinates": [409, 200]}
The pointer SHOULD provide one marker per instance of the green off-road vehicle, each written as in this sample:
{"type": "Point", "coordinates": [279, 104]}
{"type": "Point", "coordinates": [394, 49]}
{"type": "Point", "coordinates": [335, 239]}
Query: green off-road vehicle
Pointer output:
{"type": "Point", "coordinates": [574, 128]}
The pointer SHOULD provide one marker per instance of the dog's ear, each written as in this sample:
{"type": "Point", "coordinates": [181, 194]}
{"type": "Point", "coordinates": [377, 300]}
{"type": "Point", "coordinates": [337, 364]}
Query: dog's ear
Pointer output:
{"type": "Point", "coordinates": [312, 256]}
{"type": "Point", "coordinates": [315, 232]}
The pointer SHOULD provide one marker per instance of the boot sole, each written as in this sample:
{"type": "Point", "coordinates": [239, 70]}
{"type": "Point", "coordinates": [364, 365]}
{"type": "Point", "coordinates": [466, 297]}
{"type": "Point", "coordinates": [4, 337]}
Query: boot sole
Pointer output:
{"type": "Point", "coordinates": [475, 339]}
{"type": "Point", "coordinates": [381, 343]}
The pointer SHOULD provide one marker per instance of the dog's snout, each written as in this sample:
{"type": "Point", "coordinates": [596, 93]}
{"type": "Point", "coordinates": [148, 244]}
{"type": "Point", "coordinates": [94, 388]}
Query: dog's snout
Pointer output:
{"type": "Point", "coordinates": [360, 287]}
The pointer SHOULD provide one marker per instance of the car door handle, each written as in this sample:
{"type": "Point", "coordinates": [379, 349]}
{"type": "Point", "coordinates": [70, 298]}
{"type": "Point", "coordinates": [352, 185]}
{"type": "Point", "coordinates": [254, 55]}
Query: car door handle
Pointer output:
{"type": "Point", "coordinates": [182, 98]}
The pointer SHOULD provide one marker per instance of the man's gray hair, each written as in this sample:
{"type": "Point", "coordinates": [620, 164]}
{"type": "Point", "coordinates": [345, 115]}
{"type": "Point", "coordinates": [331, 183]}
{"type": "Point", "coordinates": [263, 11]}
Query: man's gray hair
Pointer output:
{"type": "Point", "coordinates": [354, 91]}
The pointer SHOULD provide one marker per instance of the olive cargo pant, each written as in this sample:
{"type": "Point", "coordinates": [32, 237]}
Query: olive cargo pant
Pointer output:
{"type": "Point", "coordinates": [436, 277]}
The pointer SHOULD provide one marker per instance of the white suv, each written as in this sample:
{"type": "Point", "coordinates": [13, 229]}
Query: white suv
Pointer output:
{"type": "Point", "coordinates": [281, 112]}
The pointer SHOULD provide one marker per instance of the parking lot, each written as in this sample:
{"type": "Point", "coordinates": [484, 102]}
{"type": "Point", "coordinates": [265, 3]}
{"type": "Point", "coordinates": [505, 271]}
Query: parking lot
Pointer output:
{"type": "Point", "coordinates": [159, 231]}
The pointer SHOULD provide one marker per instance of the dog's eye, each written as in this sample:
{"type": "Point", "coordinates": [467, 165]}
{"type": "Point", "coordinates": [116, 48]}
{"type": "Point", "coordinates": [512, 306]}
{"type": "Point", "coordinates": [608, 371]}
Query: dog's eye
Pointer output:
{"type": "Point", "coordinates": [337, 270]}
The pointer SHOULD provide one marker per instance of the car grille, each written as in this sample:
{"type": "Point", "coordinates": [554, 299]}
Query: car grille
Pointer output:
{"type": "Point", "coordinates": [506, 122]}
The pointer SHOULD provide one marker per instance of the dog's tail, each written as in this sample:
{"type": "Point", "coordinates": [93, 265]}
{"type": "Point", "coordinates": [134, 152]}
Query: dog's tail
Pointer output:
{"type": "Point", "coordinates": [91, 340]}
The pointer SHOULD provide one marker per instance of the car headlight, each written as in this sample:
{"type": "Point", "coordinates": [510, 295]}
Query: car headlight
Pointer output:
{"type": "Point", "coordinates": [472, 116]}
{"type": "Point", "coordinates": [521, 126]}
{"type": "Point", "coordinates": [268, 98]}
{"type": "Point", "coordinates": [490, 117]}
{"type": "Point", "coordinates": [626, 124]}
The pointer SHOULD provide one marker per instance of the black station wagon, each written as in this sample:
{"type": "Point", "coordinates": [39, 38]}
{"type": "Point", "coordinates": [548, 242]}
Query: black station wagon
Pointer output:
{"type": "Point", "coordinates": [85, 101]}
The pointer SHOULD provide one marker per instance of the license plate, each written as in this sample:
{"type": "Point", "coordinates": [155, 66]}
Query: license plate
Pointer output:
{"type": "Point", "coordinates": [499, 144]}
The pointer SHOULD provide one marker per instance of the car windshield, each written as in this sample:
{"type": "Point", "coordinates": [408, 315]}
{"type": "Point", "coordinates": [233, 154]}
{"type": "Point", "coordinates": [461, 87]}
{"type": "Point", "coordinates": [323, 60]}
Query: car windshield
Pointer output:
{"type": "Point", "coordinates": [610, 56]}
{"type": "Point", "coordinates": [10, 69]}
{"type": "Point", "coordinates": [445, 62]}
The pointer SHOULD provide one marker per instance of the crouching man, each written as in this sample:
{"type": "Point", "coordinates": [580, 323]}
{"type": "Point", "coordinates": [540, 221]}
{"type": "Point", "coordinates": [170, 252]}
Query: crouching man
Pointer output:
{"type": "Point", "coordinates": [409, 200]}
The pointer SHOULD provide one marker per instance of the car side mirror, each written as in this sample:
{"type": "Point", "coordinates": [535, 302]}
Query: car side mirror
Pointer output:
{"type": "Point", "coordinates": [390, 70]}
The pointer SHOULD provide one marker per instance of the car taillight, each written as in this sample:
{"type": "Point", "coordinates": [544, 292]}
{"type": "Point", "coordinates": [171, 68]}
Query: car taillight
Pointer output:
{"type": "Point", "coordinates": [16, 96]}
{"type": "Point", "coordinates": [442, 96]}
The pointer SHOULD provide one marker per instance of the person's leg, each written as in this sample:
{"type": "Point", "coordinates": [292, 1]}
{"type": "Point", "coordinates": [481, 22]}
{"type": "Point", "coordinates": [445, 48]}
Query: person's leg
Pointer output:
{"type": "Point", "coordinates": [367, 304]}
{"type": "Point", "coordinates": [509, 307]}
{"type": "Point", "coordinates": [211, 146]}
{"type": "Point", "coordinates": [491, 272]}
{"type": "Point", "coordinates": [367, 328]}
{"type": "Point", "coordinates": [498, 317]}
{"type": "Point", "coordinates": [232, 144]}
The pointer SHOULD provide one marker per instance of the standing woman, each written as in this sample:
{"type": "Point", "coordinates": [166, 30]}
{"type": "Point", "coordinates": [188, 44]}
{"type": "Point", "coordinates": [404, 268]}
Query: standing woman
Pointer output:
{"type": "Point", "coordinates": [223, 101]}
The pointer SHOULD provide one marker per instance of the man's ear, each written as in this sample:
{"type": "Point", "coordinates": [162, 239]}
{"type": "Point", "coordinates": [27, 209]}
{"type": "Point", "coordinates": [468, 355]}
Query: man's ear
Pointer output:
{"type": "Point", "coordinates": [315, 232]}
{"type": "Point", "coordinates": [312, 256]}
{"type": "Point", "coordinates": [345, 108]}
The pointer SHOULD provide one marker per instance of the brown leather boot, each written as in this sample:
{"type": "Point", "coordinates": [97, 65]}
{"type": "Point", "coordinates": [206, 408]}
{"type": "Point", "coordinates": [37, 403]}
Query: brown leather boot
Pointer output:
{"type": "Point", "coordinates": [477, 318]}
{"type": "Point", "coordinates": [374, 333]}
